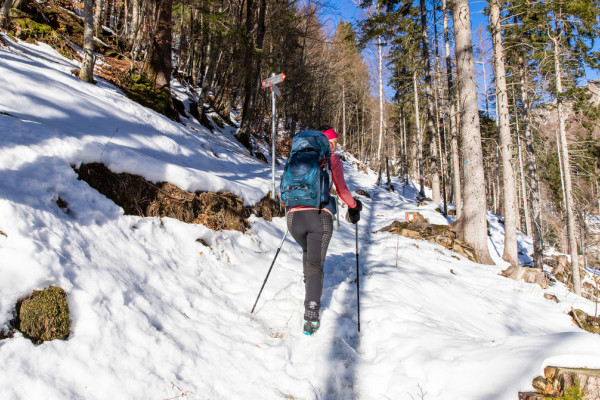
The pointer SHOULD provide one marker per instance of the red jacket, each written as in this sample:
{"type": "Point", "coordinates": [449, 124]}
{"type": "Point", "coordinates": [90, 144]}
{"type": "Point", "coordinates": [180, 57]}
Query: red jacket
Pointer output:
{"type": "Point", "coordinates": [337, 172]}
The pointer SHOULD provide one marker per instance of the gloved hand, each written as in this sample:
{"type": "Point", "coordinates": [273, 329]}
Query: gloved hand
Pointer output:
{"type": "Point", "coordinates": [353, 215]}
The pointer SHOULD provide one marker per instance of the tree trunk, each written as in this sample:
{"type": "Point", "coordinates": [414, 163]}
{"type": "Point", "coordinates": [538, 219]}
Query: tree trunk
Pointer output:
{"type": "Point", "coordinates": [508, 182]}
{"type": "Point", "coordinates": [98, 17]}
{"type": "Point", "coordinates": [260, 36]}
{"type": "Point", "coordinates": [159, 69]}
{"type": "Point", "coordinates": [108, 12]}
{"type": "Point", "coordinates": [457, 190]}
{"type": "Point", "coordinates": [249, 63]}
{"type": "Point", "coordinates": [526, 212]}
{"type": "Point", "coordinates": [473, 223]}
{"type": "Point", "coordinates": [380, 59]}
{"type": "Point", "coordinates": [207, 70]}
{"type": "Point", "coordinates": [433, 149]}
{"type": "Point", "coordinates": [534, 189]}
{"type": "Point", "coordinates": [419, 137]}
{"type": "Point", "coordinates": [181, 38]}
{"type": "Point", "coordinates": [403, 146]}
{"type": "Point", "coordinates": [440, 133]}
{"type": "Point", "coordinates": [569, 206]}
{"type": "Point", "coordinates": [4, 20]}
{"type": "Point", "coordinates": [135, 19]}
{"type": "Point", "coordinates": [87, 66]}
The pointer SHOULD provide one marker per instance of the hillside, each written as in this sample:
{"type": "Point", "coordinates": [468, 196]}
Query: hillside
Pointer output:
{"type": "Point", "coordinates": [161, 309]}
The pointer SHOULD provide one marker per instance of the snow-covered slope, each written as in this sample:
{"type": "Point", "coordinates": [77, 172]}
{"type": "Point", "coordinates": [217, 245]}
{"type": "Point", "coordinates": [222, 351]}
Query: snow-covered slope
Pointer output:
{"type": "Point", "coordinates": [157, 315]}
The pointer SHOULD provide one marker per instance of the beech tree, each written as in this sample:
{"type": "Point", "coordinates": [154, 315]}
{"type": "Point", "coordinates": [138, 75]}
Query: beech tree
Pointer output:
{"type": "Point", "coordinates": [87, 66]}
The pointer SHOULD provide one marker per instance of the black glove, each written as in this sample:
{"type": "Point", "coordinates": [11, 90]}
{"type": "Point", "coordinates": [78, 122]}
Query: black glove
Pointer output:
{"type": "Point", "coordinates": [353, 215]}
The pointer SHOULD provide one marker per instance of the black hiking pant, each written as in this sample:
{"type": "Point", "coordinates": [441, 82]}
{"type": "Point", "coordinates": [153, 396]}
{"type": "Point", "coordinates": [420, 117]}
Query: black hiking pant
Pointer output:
{"type": "Point", "coordinates": [312, 230]}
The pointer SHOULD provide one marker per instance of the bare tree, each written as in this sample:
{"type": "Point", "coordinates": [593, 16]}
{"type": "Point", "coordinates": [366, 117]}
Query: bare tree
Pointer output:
{"type": "Point", "coordinates": [87, 67]}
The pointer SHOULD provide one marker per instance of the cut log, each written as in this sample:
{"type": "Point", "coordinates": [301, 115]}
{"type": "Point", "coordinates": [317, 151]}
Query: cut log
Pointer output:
{"type": "Point", "coordinates": [557, 380]}
{"type": "Point", "coordinates": [588, 381]}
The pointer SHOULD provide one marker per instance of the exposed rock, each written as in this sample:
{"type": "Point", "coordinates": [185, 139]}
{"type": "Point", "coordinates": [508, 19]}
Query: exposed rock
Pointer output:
{"type": "Point", "coordinates": [552, 297]}
{"type": "Point", "coordinates": [560, 265]}
{"type": "Point", "coordinates": [363, 193]}
{"type": "Point", "coordinates": [440, 234]}
{"type": "Point", "coordinates": [409, 233]}
{"type": "Point", "coordinates": [529, 275]}
{"type": "Point", "coordinates": [415, 217]}
{"type": "Point", "coordinates": [44, 315]}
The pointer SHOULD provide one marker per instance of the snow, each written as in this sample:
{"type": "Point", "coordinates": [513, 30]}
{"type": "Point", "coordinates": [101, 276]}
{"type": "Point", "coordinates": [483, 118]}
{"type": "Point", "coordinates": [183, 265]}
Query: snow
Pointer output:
{"type": "Point", "coordinates": [157, 314]}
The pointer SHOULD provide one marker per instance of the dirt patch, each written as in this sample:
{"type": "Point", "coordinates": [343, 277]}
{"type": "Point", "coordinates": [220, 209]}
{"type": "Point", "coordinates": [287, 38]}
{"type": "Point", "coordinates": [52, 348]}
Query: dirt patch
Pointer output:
{"type": "Point", "coordinates": [268, 209]}
{"type": "Point", "coordinates": [137, 196]}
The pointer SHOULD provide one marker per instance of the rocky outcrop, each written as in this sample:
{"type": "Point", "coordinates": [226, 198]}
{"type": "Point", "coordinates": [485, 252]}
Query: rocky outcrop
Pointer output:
{"type": "Point", "coordinates": [440, 234]}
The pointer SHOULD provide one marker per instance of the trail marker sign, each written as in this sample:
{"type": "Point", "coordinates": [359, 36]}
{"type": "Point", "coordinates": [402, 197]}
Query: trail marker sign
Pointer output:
{"type": "Point", "coordinates": [273, 80]}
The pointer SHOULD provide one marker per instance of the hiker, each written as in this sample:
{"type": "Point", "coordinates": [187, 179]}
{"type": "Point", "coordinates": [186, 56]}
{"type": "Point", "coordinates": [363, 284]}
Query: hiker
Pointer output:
{"type": "Point", "coordinates": [312, 228]}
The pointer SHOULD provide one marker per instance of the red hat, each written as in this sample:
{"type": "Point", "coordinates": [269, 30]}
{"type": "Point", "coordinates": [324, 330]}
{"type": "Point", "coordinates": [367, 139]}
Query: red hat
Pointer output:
{"type": "Point", "coordinates": [330, 133]}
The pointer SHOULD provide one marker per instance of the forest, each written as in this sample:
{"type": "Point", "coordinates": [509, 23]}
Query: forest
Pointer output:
{"type": "Point", "coordinates": [525, 146]}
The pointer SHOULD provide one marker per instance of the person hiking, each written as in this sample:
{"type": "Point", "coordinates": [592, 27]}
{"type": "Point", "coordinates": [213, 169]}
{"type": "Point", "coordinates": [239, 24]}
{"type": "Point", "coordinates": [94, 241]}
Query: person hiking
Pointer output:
{"type": "Point", "coordinates": [312, 227]}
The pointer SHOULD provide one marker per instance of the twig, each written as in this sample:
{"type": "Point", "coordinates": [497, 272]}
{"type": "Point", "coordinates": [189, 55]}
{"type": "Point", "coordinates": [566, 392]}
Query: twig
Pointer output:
{"type": "Point", "coordinates": [113, 135]}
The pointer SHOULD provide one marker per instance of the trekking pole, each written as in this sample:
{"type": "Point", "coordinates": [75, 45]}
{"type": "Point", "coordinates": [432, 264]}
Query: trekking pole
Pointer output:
{"type": "Point", "coordinates": [357, 276]}
{"type": "Point", "coordinates": [270, 268]}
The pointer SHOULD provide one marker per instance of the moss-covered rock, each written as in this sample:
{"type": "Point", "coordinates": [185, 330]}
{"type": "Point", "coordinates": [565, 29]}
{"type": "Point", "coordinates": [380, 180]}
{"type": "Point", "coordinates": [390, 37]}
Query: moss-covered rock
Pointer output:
{"type": "Point", "coordinates": [44, 315]}
{"type": "Point", "coordinates": [588, 322]}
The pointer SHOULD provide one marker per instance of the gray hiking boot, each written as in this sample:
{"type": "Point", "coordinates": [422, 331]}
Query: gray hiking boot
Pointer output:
{"type": "Point", "coordinates": [311, 318]}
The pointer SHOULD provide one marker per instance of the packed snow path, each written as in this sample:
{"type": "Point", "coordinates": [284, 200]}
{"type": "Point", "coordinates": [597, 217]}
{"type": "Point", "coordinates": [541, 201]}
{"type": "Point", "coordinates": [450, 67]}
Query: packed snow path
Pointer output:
{"type": "Point", "coordinates": [156, 314]}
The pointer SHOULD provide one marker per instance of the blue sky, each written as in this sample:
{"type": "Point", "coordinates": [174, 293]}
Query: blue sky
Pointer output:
{"type": "Point", "coordinates": [348, 10]}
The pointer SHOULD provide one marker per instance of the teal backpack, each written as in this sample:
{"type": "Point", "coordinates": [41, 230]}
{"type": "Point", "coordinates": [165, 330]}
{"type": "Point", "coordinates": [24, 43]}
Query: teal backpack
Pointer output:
{"type": "Point", "coordinates": [306, 178]}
